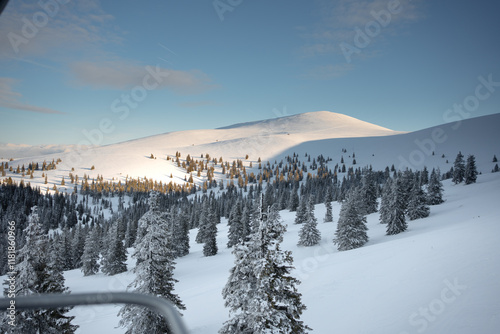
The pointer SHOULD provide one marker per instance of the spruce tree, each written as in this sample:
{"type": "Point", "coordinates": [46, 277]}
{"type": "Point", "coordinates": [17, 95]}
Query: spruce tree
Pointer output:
{"type": "Point", "coordinates": [78, 244]}
{"type": "Point", "coordinates": [91, 252]}
{"type": "Point", "coordinates": [435, 188]}
{"type": "Point", "coordinates": [367, 194]}
{"type": "Point", "coordinates": [470, 170]}
{"type": "Point", "coordinates": [396, 217]}
{"type": "Point", "coordinates": [154, 273]}
{"type": "Point", "coordinates": [351, 226]}
{"type": "Point", "coordinates": [294, 200]}
{"type": "Point", "coordinates": [300, 215]}
{"type": "Point", "coordinates": [236, 230]}
{"type": "Point", "coordinates": [260, 293]}
{"type": "Point", "coordinates": [115, 257]}
{"type": "Point", "coordinates": [180, 234]}
{"type": "Point", "coordinates": [37, 273]}
{"type": "Point", "coordinates": [204, 221]}
{"type": "Point", "coordinates": [328, 205]}
{"type": "Point", "coordinates": [385, 201]}
{"type": "Point", "coordinates": [458, 169]}
{"type": "Point", "coordinates": [309, 235]}
{"type": "Point", "coordinates": [417, 205]}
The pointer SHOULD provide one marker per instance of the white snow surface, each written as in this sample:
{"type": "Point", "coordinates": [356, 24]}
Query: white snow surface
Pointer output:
{"type": "Point", "coordinates": [439, 276]}
{"type": "Point", "coordinates": [321, 132]}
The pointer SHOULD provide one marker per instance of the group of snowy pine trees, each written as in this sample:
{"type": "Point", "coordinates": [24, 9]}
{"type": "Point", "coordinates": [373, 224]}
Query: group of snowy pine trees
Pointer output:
{"type": "Point", "coordinates": [38, 272]}
{"type": "Point", "coordinates": [402, 197]}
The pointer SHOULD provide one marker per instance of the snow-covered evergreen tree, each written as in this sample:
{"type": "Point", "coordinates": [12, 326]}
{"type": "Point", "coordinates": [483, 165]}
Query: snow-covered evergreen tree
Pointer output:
{"type": "Point", "coordinates": [36, 273]}
{"type": "Point", "coordinates": [260, 293]}
{"type": "Point", "coordinates": [328, 205]}
{"type": "Point", "coordinates": [179, 221]}
{"type": "Point", "coordinates": [309, 235]}
{"type": "Point", "coordinates": [91, 252]}
{"type": "Point", "coordinates": [294, 200]}
{"type": "Point", "coordinates": [236, 229]}
{"type": "Point", "coordinates": [367, 194]}
{"type": "Point", "coordinates": [458, 169]}
{"type": "Point", "coordinates": [115, 257]}
{"type": "Point", "coordinates": [435, 188]}
{"type": "Point", "coordinates": [78, 244]}
{"type": "Point", "coordinates": [154, 274]}
{"type": "Point", "coordinates": [470, 174]}
{"type": "Point", "coordinates": [204, 221]}
{"type": "Point", "coordinates": [300, 215]}
{"type": "Point", "coordinates": [351, 226]}
{"type": "Point", "coordinates": [210, 242]}
{"type": "Point", "coordinates": [385, 201]}
{"type": "Point", "coordinates": [417, 204]}
{"type": "Point", "coordinates": [396, 222]}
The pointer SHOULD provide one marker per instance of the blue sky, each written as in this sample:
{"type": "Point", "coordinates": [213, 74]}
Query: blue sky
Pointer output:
{"type": "Point", "coordinates": [105, 72]}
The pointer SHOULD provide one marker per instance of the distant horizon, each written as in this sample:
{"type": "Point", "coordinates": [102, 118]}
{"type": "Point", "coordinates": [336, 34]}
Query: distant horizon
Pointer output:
{"type": "Point", "coordinates": [222, 128]}
{"type": "Point", "coordinates": [133, 69]}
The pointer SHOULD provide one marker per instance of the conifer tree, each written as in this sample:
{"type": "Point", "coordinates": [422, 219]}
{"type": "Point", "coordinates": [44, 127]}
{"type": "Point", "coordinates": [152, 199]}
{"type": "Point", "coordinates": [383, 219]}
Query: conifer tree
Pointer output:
{"type": "Point", "coordinates": [328, 205]}
{"type": "Point", "coordinates": [470, 174]}
{"type": "Point", "coordinates": [458, 169]}
{"type": "Point", "coordinates": [435, 188]}
{"type": "Point", "coordinates": [236, 229]}
{"type": "Point", "coordinates": [115, 257]}
{"type": "Point", "coordinates": [210, 242]}
{"type": "Point", "coordinates": [260, 293]}
{"type": "Point", "coordinates": [77, 245]}
{"type": "Point", "coordinates": [309, 235]}
{"type": "Point", "coordinates": [294, 200]}
{"type": "Point", "coordinates": [301, 213]}
{"type": "Point", "coordinates": [36, 273]}
{"type": "Point", "coordinates": [154, 273]}
{"type": "Point", "coordinates": [417, 204]}
{"type": "Point", "coordinates": [385, 201]}
{"type": "Point", "coordinates": [396, 216]}
{"type": "Point", "coordinates": [351, 226]}
{"type": "Point", "coordinates": [179, 221]}
{"type": "Point", "coordinates": [367, 195]}
{"type": "Point", "coordinates": [204, 221]}
{"type": "Point", "coordinates": [91, 251]}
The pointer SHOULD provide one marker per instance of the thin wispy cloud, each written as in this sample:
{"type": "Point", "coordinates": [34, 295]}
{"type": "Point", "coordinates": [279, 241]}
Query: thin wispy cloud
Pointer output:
{"type": "Point", "coordinates": [340, 21]}
{"type": "Point", "coordinates": [120, 74]}
{"type": "Point", "coordinates": [12, 100]}
{"type": "Point", "coordinates": [80, 26]}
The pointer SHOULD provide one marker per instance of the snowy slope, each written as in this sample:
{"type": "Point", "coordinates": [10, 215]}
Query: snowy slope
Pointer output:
{"type": "Point", "coordinates": [264, 139]}
{"type": "Point", "coordinates": [440, 276]}
{"type": "Point", "coordinates": [315, 133]}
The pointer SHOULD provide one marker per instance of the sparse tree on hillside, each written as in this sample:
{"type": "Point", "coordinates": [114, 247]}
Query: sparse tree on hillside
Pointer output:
{"type": "Point", "coordinates": [435, 188]}
{"type": "Point", "coordinates": [154, 274]}
{"type": "Point", "coordinates": [91, 251]}
{"type": "Point", "coordinates": [458, 169]}
{"type": "Point", "coordinates": [396, 217]}
{"type": "Point", "coordinates": [115, 257]}
{"type": "Point", "coordinates": [417, 204]}
{"type": "Point", "coordinates": [470, 170]}
{"type": "Point", "coordinates": [309, 234]}
{"type": "Point", "coordinates": [301, 213]}
{"type": "Point", "coordinates": [328, 205]}
{"type": "Point", "coordinates": [260, 293]}
{"type": "Point", "coordinates": [351, 226]}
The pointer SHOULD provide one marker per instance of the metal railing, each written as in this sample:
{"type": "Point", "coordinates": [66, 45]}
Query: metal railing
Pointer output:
{"type": "Point", "coordinates": [46, 301]}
